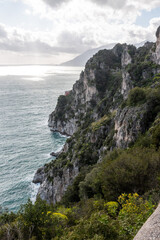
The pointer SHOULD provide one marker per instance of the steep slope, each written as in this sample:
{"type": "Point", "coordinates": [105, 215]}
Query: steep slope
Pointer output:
{"type": "Point", "coordinates": [107, 108]}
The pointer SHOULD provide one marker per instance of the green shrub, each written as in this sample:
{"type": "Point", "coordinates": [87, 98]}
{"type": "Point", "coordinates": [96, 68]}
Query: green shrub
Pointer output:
{"type": "Point", "coordinates": [156, 136]}
{"type": "Point", "coordinates": [136, 96]}
{"type": "Point", "coordinates": [134, 170]}
{"type": "Point", "coordinates": [97, 226]}
{"type": "Point", "coordinates": [72, 193]}
{"type": "Point", "coordinates": [92, 185]}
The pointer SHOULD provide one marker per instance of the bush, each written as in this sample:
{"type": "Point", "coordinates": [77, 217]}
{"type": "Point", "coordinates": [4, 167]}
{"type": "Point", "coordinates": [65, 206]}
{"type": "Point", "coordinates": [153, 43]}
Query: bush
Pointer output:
{"type": "Point", "coordinates": [136, 96]}
{"type": "Point", "coordinates": [72, 193]}
{"type": "Point", "coordinates": [92, 184]}
{"type": "Point", "coordinates": [41, 221]}
{"type": "Point", "coordinates": [97, 226]}
{"type": "Point", "coordinates": [135, 211]}
{"type": "Point", "coordinates": [134, 170]}
{"type": "Point", "coordinates": [156, 136]}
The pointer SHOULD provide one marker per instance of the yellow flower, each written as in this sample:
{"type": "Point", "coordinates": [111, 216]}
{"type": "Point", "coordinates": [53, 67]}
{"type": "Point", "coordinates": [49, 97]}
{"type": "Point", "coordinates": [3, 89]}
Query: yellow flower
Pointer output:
{"type": "Point", "coordinates": [49, 212]}
{"type": "Point", "coordinates": [60, 215]}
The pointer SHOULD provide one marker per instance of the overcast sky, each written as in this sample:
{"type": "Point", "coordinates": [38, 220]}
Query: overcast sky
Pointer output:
{"type": "Point", "coordinates": [54, 31]}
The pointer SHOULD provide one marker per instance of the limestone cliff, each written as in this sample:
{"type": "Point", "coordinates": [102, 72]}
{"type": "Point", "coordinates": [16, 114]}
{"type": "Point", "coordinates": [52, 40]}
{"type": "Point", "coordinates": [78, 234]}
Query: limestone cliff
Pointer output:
{"type": "Point", "coordinates": [126, 83]}
{"type": "Point", "coordinates": [98, 114]}
{"type": "Point", "coordinates": [101, 71]}
{"type": "Point", "coordinates": [158, 46]}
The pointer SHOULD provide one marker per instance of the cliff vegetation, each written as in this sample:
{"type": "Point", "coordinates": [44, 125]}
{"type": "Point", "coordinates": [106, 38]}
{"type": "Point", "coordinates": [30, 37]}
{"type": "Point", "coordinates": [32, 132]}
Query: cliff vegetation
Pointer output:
{"type": "Point", "coordinates": [105, 182]}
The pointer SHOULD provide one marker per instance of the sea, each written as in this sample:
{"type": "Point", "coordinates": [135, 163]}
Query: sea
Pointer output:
{"type": "Point", "coordinates": [28, 94]}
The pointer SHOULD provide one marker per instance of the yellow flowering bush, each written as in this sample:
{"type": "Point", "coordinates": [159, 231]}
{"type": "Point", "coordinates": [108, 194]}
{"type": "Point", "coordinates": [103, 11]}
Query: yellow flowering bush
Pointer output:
{"type": "Point", "coordinates": [133, 214]}
{"type": "Point", "coordinates": [112, 208]}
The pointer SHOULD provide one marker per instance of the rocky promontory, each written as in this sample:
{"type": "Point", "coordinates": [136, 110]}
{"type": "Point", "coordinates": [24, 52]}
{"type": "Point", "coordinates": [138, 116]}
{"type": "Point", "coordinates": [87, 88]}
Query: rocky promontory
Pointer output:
{"type": "Point", "coordinates": [97, 113]}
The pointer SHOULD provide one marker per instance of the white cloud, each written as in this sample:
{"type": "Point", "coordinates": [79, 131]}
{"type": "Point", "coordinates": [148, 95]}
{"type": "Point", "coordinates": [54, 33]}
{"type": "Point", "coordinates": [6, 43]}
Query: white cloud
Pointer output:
{"type": "Point", "coordinates": [3, 33]}
{"type": "Point", "coordinates": [79, 25]}
{"type": "Point", "coordinates": [55, 3]}
{"type": "Point", "coordinates": [21, 41]}
{"type": "Point", "coordinates": [116, 4]}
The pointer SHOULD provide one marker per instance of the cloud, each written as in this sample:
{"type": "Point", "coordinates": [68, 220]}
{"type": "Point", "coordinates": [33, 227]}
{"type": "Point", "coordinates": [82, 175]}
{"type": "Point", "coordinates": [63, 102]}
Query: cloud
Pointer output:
{"type": "Point", "coordinates": [32, 47]}
{"type": "Point", "coordinates": [24, 46]}
{"type": "Point", "coordinates": [138, 33]}
{"type": "Point", "coordinates": [3, 33]}
{"type": "Point", "coordinates": [17, 40]}
{"type": "Point", "coordinates": [116, 4]}
{"type": "Point", "coordinates": [76, 26]}
{"type": "Point", "coordinates": [75, 42]}
{"type": "Point", "coordinates": [20, 41]}
{"type": "Point", "coordinates": [55, 3]}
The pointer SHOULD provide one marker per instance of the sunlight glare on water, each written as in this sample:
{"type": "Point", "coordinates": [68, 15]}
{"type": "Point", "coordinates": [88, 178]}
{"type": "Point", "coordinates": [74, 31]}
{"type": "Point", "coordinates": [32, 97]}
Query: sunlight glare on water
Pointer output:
{"type": "Point", "coordinates": [37, 71]}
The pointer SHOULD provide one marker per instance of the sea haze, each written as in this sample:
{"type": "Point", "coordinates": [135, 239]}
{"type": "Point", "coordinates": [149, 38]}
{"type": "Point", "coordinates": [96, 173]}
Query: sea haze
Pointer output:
{"type": "Point", "coordinates": [28, 94]}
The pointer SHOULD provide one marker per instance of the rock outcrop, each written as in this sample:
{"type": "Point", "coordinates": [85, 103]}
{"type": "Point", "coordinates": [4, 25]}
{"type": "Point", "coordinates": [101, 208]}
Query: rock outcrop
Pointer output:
{"type": "Point", "coordinates": [53, 187]}
{"type": "Point", "coordinates": [126, 83]}
{"type": "Point", "coordinates": [129, 123]}
{"type": "Point", "coordinates": [158, 46]}
{"type": "Point", "coordinates": [97, 115]}
{"type": "Point", "coordinates": [39, 177]}
{"type": "Point", "coordinates": [89, 89]}
{"type": "Point", "coordinates": [156, 50]}
{"type": "Point", "coordinates": [78, 101]}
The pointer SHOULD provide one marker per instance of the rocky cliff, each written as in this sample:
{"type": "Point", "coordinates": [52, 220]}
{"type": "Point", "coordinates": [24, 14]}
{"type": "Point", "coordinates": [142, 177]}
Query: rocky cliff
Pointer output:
{"type": "Point", "coordinates": [106, 109]}
{"type": "Point", "coordinates": [157, 58]}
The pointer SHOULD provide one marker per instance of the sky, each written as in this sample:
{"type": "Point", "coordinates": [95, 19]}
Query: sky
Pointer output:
{"type": "Point", "coordinates": [55, 31]}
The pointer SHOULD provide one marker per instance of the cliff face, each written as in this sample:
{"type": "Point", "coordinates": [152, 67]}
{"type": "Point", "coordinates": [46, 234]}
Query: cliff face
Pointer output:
{"type": "Point", "coordinates": [98, 114]}
{"type": "Point", "coordinates": [126, 83]}
{"type": "Point", "coordinates": [65, 117]}
{"type": "Point", "coordinates": [94, 84]}
{"type": "Point", "coordinates": [157, 59]}
{"type": "Point", "coordinates": [129, 122]}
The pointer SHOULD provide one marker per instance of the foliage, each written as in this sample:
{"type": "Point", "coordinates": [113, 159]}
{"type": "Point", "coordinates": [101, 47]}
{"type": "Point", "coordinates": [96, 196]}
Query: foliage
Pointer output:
{"type": "Point", "coordinates": [93, 218]}
{"type": "Point", "coordinates": [105, 57]}
{"type": "Point", "coordinates": [142, 68]}
{"type": "Point", "coordinates": [134, 212]}
{"type": "Point", "coordinates": [134, 170]}
{"type": "Point", "coordinates": [110, 199]}
{"type": "Point", "coordinates": [102, 121]}
{"type": "Point", "coordinates": [40, 220]}
{"type": "Point", "coordinates": [156, 78]}
{"type": "Point", "coordinates": [98, 224]}
{"type": "Point", "coordinates": [102, 63]}
{"type": "Point", "coordinates": [112, 208]}
{"type": "Point", "coordinates": [64, 105]}
{"type": "Point", "coordinates": [153, 102]}
{"type": "Point", "coordinates": [91, 186]}
{"type": "Point", "coordinates": [136, 96]}
{"type": "Point", "coordinates": [72, 193]}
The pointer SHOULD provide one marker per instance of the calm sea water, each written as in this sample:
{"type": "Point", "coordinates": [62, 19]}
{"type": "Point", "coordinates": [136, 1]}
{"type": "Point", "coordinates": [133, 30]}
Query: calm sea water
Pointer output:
{"type": "Point", "coordinates": [28, 94]}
